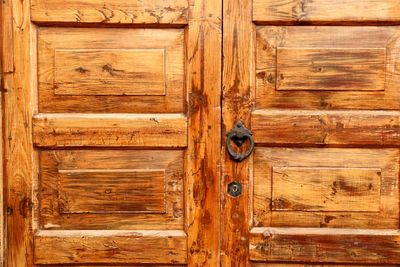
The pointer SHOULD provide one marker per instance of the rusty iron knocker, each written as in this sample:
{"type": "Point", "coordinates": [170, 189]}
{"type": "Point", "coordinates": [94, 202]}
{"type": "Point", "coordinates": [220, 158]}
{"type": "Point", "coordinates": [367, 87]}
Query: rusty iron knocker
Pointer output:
{"type": "Point", "coordinates": [239, 134]}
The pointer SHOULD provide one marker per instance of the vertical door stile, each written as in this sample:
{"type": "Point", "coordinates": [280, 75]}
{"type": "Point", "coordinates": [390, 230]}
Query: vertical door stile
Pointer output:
{"type": "Point", "coordinates": [236, 105]}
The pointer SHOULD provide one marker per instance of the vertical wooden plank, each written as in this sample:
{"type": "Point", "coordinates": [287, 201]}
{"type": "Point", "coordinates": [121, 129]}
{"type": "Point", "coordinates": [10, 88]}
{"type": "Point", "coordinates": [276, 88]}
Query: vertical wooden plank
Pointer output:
{"type": "Point", "coordinates": [237, 102]}
{"type": "Point", "coordinates": [204, 83]}
{"type": "Point", "coordinates": [4, 37]}
{"type": "Point", "coordinates": [18, 149]}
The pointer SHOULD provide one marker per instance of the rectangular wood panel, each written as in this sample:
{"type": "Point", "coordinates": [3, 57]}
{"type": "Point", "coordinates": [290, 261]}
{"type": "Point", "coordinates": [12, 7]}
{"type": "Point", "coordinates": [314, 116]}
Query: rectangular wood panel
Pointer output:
{"type": "Point", "coordinates": [326, 189]}
{"type": "Point", "coordinates": [336, 127]}
{"type": "Point", "coordinates": [60, 130]}
{"type": "Point", "coordinates": [112, 191]}
{"type": "Point", "coordinates": [327, 67]}
{"type": "Point", "coordinates": [325, 11]}
{"type": "Point", "coordinates": [325, 245]}
{"type": "Point", "coordinates": [109, 72]}
{"type": "Point", "coordinates": [331, 69]}
{"type": "Point", "coordinates": [111, 11]}
{"type": "Point", "coordinates": [110, 246]}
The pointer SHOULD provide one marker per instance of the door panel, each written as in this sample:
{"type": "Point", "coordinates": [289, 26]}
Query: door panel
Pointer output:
{"type": "Point", "coordinates": [120, 11]}
{"type": "Point", "coordinates": [111, 70]}
{"type": "Point", "coordinates": [327, 67]}
{"type": "Point", "coordinates": [316, 82]}
{"type": "Point", "coordinates": [113, 118]}
{"type": "Point", "coordinates": [326, 11]}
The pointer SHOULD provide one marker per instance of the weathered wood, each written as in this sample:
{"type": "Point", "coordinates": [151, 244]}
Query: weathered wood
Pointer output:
{"type": "Point", "coordinates": [237, 85]}
{"type": "Point", "coordinates": [326, 11]}
{"type": "Point", "coordinates": [325, 245]}
{"type": "Point", "coordinates": [153, 130]}
{"type": "Point", "coordinates": [204, 34]}
{"type": "Point", "coordinates": [19, 105]}
{"type": "Point", "coordinates": [336, 69]}
{"type": "Point", "coordinates": [109, 72]}
{"type": "Point", "coordinates": [80, 70]}
{"type": "Point", "coordinates": [326, 187]}
{"type": "Point", "coordinates": [110, 246]}
{"type": "Point", "coordinates": [112, 189]}
{"type": "Point", "coordinates": [316, 80]}
{"type": "Point", "coordinates": [116, 11]}
{"type": "Point", "coordinates": [271, 126]}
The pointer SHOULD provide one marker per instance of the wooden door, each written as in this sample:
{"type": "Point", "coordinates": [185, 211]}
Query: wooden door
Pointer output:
{"type": "Point", "coordinates": [318, 84]}
{"type": "Point", "coordinates": [112, 125]}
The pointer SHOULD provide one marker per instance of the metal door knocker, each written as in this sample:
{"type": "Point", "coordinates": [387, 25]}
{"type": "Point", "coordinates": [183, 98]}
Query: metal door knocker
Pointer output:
{"type": "Point", "coordinates": [239, 134]}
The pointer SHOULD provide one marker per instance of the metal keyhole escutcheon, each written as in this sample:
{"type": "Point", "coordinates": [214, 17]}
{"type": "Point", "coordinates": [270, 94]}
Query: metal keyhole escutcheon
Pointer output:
{"type": "Point", "coordinates": [234, 189]}
{"type": "Point", "coordinates": [239, 135]}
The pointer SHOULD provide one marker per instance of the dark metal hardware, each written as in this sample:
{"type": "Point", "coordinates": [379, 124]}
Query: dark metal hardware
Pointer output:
{"type": "Point", "coordinates": [234, 189]}
{"type": "Point", "coordinates": [239, 134]}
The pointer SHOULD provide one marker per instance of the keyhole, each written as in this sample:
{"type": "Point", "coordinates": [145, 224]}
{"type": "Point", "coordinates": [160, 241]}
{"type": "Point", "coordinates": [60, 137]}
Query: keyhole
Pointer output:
{"type": "Point", "coordinates": [235, 188]}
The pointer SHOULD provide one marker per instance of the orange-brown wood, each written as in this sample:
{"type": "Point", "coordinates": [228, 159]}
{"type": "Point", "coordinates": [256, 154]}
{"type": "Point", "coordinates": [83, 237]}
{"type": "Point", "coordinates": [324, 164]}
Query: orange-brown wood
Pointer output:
{"type": "Point", "coordinates": [113, 132]}
{"type": "Point", "coordinates": [316, 245]}
{"type": "Point", "coordinates": [326, 11]}
{"type": "Point", "coordinates": [19, 105]}
{"type": "Point", "coordinates": [111, 12]}
{"type": "Point", "coordinates": [204, 133]}
{"type": "Point", "coordinates": [66, 129]}
{"type": "Point", "coordinates": [237, 102]}
{"type": "Point", "coordinates": [145, 189]}
{"type": "Point", "coordinates": [110, 246]}
{"type": "Point", "coordinates": [322, 101]}
{"type": "Point", "coordinates": [330, 127]}
{"type": "Point", "coordinates": [111, 70]}
{"type": "Point", "coordinates": [326, 187]}
{"type": "Point", "coordinates": [316, 67]}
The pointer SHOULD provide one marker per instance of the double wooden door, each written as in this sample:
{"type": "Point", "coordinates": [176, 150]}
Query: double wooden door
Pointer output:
{"type": "Point", "coordinates": [201, 133]}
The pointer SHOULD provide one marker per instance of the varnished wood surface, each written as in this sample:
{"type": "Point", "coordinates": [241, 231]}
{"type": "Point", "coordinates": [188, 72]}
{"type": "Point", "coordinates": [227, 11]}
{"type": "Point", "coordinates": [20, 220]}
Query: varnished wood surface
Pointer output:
{"type": "Point", "coordinates": [110, 246]}
{"type": "Point", "coordinates": [331, 174]}
{"type": "Point", "coordinates": [113, 130]}
{"type": "Point", "coordinates": [19, 105]}
{"type": "Point", "coordinates": [316, 245]}
{"type": "Point", "coordinates": [331, 69]}
{"type": "Point", "coordinates": [326, 11]}
{"type": "Point", "coordinates": [331, 127]}
{"type": "Point", "coordinates": [204, 58]}
{"type": "Point", "coordinates": [310, 63]}
{"type": "Point", "coordinates": [101, 184]}
{"type": "Point", "coordinates": [120, 12]}
{"type": "Point", "coordinates": [237, 101]}
{"type": "Point", "coordinates": [108, 70]}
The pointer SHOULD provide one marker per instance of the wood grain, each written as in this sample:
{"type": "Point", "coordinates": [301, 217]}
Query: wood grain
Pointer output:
{"type": "Point", "coordinates": [237, 104]}
{"type": "Point", "coordinates": [116, 11]}
{"type": "Point", "coordinates": [204, 70]}
{"type": "Point", "coordinates": [153, 130]}
{"type": "Point", "coordinates": [332, 56]}
{"type": "Point", "coordinates": [326, 187]}
{"type": "Point", "coordinates": [109, 72]}
{"type": "Point", "coordinates": [19, 105]}
{"type": "Point", "coordinates": [111, 191]}
{"type": "Point", "coordinates": [330, 127]}
{"type": "Point", "coordinates": [110, 246]}
{"type": "Point", "coordinates": [326, 11]}
{"type": "Point", "coordinates": [325, 245]}
{"type": "Point", "coordinates": [83, 82]}
{"type": "Point", "coordinates": [330, 69]}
